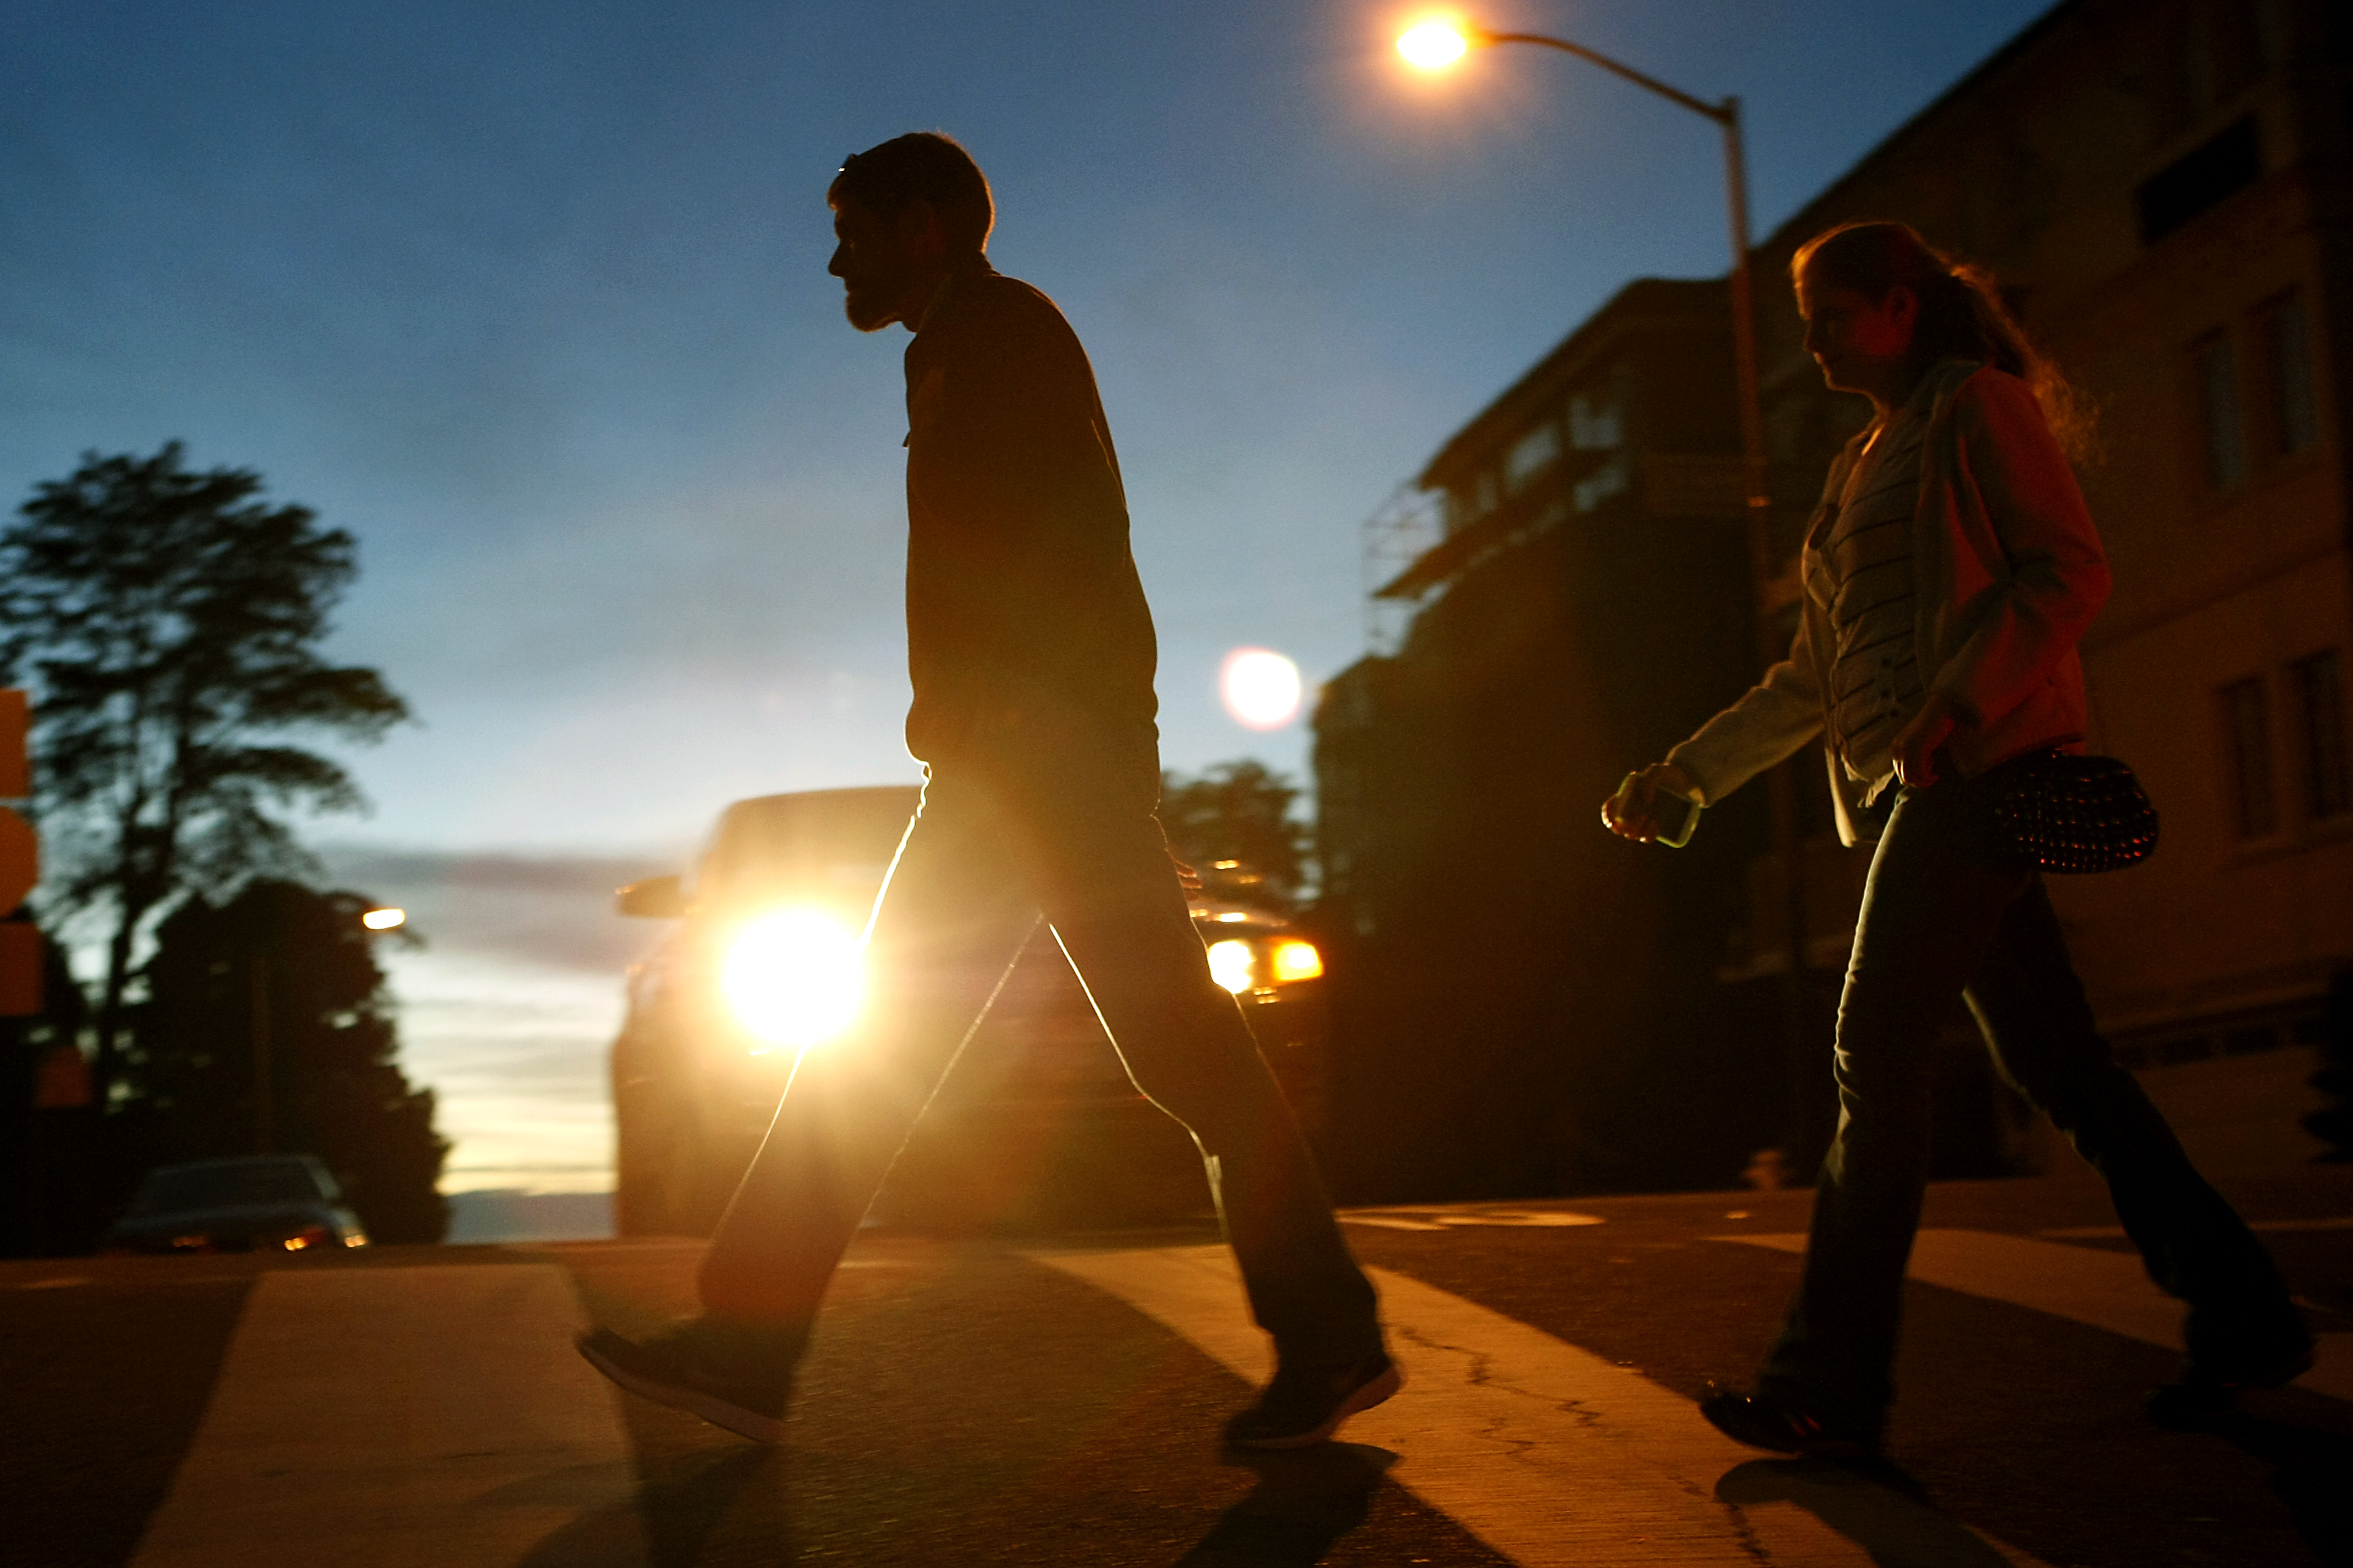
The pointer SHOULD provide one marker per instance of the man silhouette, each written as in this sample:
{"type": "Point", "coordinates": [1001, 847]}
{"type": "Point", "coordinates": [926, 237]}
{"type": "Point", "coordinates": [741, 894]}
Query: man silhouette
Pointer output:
{"type": "Point", "coordinates": [1031, 653]}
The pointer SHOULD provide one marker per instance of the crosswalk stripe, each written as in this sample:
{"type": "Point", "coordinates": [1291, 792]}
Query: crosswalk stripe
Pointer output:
{"type": "Point", "coordinates": [2108, 1291]}
{"type": "Point", "coordinates": [1549, 1453]}
{"type": "Point", "coordinates": [393, 1416]}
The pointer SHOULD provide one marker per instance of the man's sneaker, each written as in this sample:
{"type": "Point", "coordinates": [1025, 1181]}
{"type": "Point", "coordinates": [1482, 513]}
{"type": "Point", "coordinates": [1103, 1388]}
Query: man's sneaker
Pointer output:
{"type": "Point", "coordinates": [2203, 1396]}
{"type": "Point", "coordinates": [733, 1378]}
{"type": "Point", "coordinates": [1306, 1404]}
{"type": "Point", "coordinates": [1763, 1423]}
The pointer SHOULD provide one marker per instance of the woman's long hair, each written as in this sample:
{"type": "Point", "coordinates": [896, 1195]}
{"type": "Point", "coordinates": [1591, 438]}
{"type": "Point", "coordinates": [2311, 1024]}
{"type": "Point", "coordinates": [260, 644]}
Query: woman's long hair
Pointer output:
{"type": "Point", "coordinates": [1961, 312]}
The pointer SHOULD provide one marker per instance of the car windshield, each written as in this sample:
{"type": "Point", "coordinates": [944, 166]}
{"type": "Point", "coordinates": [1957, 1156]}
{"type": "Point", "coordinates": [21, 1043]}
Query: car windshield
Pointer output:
{"type": "Point", "coordinates": [173, 1189]}
{"type": "Point", "coordinates": [833, 845]}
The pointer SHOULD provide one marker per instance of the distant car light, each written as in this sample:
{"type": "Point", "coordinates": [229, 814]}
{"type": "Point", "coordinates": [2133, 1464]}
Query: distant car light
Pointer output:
{"type": "Point", "coordinates": [1231, 962]}
{"type": "Point", "coordinates": [795, 977]}
{"type": "Point", "coordinates": [1296, 960]}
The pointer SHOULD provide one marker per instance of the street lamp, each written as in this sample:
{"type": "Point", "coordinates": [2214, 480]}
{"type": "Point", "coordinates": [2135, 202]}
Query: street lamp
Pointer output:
{"type": "Point", "coordinates": [1439, 44]}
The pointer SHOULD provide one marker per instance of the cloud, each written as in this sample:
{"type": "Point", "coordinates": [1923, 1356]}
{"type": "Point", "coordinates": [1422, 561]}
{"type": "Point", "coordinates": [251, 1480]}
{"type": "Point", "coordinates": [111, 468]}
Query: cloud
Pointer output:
{"type": "Point", "coordinates": [540, 910]}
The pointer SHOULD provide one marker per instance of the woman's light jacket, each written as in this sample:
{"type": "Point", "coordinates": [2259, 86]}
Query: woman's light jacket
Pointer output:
{"type": "Point", "coordinates": [2007, 574]}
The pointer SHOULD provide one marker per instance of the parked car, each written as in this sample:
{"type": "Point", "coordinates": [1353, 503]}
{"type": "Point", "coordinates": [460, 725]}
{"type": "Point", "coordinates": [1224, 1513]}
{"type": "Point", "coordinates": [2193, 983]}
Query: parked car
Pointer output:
{"type": "Point", "coordinates": [257, 1202]}
{"type": "Point", "coordinates": [1037, 1123]}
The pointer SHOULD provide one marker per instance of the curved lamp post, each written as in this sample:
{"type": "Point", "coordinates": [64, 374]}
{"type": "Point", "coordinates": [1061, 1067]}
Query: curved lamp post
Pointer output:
{"type": "Point", "coordinates": [1437, 44]}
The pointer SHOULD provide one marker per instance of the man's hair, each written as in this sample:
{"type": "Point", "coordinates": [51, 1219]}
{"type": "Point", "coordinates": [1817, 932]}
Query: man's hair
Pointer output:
{"type": "Point", "coordinates": [921, 166]}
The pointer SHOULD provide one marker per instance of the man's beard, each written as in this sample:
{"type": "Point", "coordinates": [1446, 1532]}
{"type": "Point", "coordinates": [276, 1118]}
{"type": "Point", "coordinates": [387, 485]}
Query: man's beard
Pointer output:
{"type": "Point", "coordinates": [869, 305]}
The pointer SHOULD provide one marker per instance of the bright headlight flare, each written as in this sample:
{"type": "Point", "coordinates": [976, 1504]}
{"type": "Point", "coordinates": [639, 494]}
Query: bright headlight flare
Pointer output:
{"type": "Point", "coordinates": [795, 977]}
{"type": "Point", "coordinates": [1231, 962]}
{"type": "Point", "coordinates": [1296, 960]}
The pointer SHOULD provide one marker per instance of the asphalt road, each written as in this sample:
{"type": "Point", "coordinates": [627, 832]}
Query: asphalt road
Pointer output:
{"type": "Point", "coordinates": [1056, 1401]}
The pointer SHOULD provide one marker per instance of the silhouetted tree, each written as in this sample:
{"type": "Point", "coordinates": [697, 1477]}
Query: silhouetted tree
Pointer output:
{"type": "Point", "coordinates": [292, 968]}
{"type": "Point", "coordinates": [168, 622]}
{"type": "Point", "coordinates": [1239, 811]}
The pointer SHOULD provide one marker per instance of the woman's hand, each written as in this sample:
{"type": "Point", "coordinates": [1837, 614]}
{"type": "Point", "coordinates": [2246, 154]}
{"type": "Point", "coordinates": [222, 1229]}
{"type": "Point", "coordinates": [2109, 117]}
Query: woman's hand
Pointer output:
{"type": "Point", "coordinates": [1633, 812]}
{"type": "Point", "coordinates": [1917, 743]}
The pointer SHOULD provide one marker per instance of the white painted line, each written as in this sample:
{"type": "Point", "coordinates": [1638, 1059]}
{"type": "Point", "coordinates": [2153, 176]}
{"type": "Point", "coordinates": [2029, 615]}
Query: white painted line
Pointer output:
{"type": "Point", "coordinates": [2107, 1289]}
{"type": "Point", "coordinates": [394, 1416]}
{"type": "Point", "coordinates": [1549, 1453]}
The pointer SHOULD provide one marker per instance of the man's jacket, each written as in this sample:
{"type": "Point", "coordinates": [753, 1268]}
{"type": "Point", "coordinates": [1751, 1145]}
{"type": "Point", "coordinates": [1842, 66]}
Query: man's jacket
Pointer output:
{"type": "Point", "coordinates": [2007, 574]}
{"type": "Point", "coordinates": [1023, 605]}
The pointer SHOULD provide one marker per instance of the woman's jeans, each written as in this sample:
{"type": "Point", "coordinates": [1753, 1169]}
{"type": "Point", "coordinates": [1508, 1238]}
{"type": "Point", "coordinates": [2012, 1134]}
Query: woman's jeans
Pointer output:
{"type": "Point", "coordinates": [1944, 915]}
{"type": "Point", "coordinates": [1060, 825]}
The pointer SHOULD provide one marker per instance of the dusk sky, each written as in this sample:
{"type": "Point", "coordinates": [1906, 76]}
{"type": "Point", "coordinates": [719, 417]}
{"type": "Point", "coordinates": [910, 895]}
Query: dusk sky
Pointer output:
{"type": "Point", "coordinates": [532, 298]}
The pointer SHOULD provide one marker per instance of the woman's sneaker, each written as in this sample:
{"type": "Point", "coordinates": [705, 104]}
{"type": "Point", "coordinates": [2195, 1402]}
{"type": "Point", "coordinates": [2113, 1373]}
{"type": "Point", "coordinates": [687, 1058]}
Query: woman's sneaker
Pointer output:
{"type": "Point", "coordinates": [736, 1378]}
{"type": "Point", "coordinates": [1306, 1402]}
{"type": "Point", "coordinates": [2203, 1395]}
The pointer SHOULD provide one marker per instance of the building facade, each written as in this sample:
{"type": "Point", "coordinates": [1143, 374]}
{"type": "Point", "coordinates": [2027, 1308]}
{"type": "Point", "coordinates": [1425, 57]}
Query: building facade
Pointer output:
{"type": "Point", "coordinates": [2166, 192]}
{"type": "Point", "coordinates": [1513, 986]}
{"type": "Point", "coordinates": [2164, 188]}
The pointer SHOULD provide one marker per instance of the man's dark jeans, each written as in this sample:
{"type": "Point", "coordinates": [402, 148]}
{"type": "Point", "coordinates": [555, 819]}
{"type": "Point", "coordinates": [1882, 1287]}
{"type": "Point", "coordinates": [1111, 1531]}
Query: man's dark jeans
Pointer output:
{"type": "Point", "coordinates": [1065, 829]}
{"type": "Point", "coordinates": [1945, 915]}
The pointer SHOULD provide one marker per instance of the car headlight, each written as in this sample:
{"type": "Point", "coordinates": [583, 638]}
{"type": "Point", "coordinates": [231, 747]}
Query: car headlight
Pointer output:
{"type": "Point", "coordinates": [1237, 964]}
{"type": "Point", "coordinates": [794, 977]}
{"type": "Point", "coordinates": [1296, 960]}
{"type": "Point", "coordinates": [1230, 964]}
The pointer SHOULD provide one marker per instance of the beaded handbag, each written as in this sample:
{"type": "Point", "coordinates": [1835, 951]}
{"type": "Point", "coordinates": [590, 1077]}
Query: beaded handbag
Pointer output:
{"type": "Point", "coordinates": [2060, 812]}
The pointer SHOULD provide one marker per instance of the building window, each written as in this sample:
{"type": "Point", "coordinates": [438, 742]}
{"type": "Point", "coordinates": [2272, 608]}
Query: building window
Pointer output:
{"type": "Point", "coordinates": [2247, 755]}
{"type": "Point", "coordinates": [2319, 683]}
{"type": "Point", "coordinates": [1613, 477]}
{"type": "Point", "coordinates": [2216, 366]}
{"type": "Point", "coordinates": [2287, 366]}
{"type": "Point", "coordinates": [1530, 456]}
{"type": "Point", "coordinates": [2200, 180]}
{"type": "Point", "coordinates": [1596, 424]}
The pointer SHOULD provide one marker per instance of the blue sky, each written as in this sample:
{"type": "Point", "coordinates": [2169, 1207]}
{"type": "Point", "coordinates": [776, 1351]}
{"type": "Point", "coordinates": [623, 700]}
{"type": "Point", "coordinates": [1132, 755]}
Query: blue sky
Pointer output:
{"type": "Point", "coordinates": [532, 298]}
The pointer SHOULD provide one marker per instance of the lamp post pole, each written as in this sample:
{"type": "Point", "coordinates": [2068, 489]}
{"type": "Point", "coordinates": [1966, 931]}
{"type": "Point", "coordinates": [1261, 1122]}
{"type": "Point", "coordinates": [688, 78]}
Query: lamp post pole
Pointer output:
{"type": "Point", "coordinates": [1755, 495]}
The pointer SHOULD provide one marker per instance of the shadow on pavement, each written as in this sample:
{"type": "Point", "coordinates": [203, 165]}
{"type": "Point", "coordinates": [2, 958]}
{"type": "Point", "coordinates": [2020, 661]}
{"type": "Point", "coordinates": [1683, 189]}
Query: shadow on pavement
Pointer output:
{"type": "Point", "coordinates": [1303, 1503]}
{"type": "Point", "coordinates": [1879, 1507]}
{"type": "Point", "coordinates": [2309, 1466]}
{"type": "Point", "coordinates": [679, 1503]}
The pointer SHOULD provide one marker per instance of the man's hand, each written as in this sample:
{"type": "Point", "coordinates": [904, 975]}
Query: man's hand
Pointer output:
{"type": "Point", "coordinates": [1633, 812]}
{"type": "Point", "coordinates": [1917, 743]}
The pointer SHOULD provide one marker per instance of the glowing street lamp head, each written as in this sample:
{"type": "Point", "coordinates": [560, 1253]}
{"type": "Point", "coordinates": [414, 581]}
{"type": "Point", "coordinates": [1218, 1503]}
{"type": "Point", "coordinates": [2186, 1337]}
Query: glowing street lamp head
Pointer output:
{"type": "Point", "coordinates": [1433, 46]}
{"type": "Point", "coordinates": [384, 919]}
